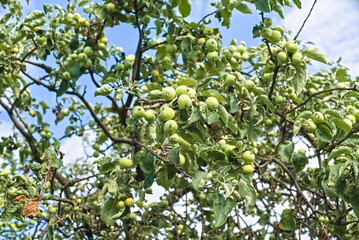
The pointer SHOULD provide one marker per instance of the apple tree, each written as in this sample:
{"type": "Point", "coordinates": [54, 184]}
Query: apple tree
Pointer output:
{"type": "Point", "coordinates": [246, 142]}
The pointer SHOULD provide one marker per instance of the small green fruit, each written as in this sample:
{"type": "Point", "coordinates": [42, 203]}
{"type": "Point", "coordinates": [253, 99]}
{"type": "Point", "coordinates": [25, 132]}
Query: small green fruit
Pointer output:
{"type": "Point", "coordinates": [212, 56]}
{"type": "Point", "coordinates": [88, 51]}
{"type": "Point", "coordinates": [297, 58]}
{"type": "Point", "coordinates": [184, 102]}
{"type": "Point", "coordinates": [208, 31]}
{"type": "Point", "coordinates": [32, 112]}
{"type": "Point", "coordinates": [211, 45]}
{"type": "Point", "coordinates": [129, 202]}
{"type": "Point", "coordinates": [248, 157]}
{"type": "Point", "coordinates": [66, 75]}
{"type": "Point", "coordinates": [169, 93]}
{"type": "Point", "coordinates": [247, 169]}
{"type": "Point", "coordinates": [278, 99]}
{"type": "Point", "coordinates": [182, 89]}
{"type": "Point", "coordinates": [267, 22]}
{"type": "Point", "coordinates": [310, 125]}
{"type": "Point", "coordinates": [182, 159]}
{"type": "Point", "coordinates": [126, 163]}
{"type": "Point", "coordinates": [281, 57]}
{"type": "Point", "coordinates": [138, 112]}
{"type": "Point", "coordinates": [212, 103]}
{"type": "Point", "coordinates": [291, 46]}
{"type": "Point", "coordinates": [110, 7]}
{"type": "Point", "coordinates": [230, 80]}
{"type": "Point", "coordinates": [266, 33]}
{"type": "Point", "coordinates": [121, 204]}
{"type": "Point", "coordinates": [170, 127]}
{"type": "Point", "coordinates": [167, 114]}
{"type": "Point", "coordinates": [249, 85]}
{"type": "Point", "coordinates": [150, 116]}
{"type": "Point", "coordinates": [318, 117]}
{"type": "Point", "coordinates": [275, 37]}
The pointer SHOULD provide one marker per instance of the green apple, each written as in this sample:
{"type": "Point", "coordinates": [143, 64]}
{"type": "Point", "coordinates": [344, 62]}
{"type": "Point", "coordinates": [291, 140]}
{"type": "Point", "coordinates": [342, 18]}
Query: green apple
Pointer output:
{"type": "Point", "coordinates": [171, 48]}
{"type": "Point", "coordinates": [278, 99]}
{"type": "Point", "coordinates": [182, 159]}
{"type": "Point", "coordinates": [88, 51]}
{"type": "Point", "coordinates": [212, 56]}
{"type": "Point", "coordinates": [66, 75]}
{"type": "Point", "coordinates": [318, 117]}
{"type": "Point", "coordinates": [211, 45]}
{"type": "Point", "coordinates": [155, 74]}
{"type": "Point", "coordinates": [170, 127]}
{"type": "Point", "coordinates": [180, 227]}
{"type": "Point", "coordinates": [201, 41]}
{"type": "Point", "coordinates": [241, 49]}
{"type": "Point", "coordinates": [247, 169]}
{"type": "Point", "coordinates": [121, 204]}
{"type": "Point", "coordinates": [230, 79]}
{"type": "Point", "coordinates": [52, 210]}
{"type": "Point", "coordinates": [32, 112]}
{"type": "Point", "coordinates": [129, 202]}
{"type": "Point", "coordinates": [248, 157]}
{"type": "Point", "coordinates": [268, 122]}
{"type": "Point", "coordinates": [281, 57]}
{"type": "Point", "coordinates": [208, 31]}
{"type": "Point", "coordinates": [267, 22]}
{"type": "Point", "coordinates": [168, 93]}
{"type": "Point", "coordinates": [229, 149]}
{"type": "Point", "coordinates": [310, 125]}
{"type": "Point", "coordinates": [212, 103]}
{"type": "Point", "coordinates": [82, 57]}
{"type": "Point", "coordinates": [292, 46]}
{"type": "Point", "coordinates": [297, 58]}
{"type": "Point", "coordinates": [110, 7]}
{"type": "Point", "coordinates": [184, 102]}
{"type": "Point", "coordinates": [5, 172]}
{"type": "Point", "coordinates": [266, 32]}
{"type": "Point", "coordinates": [150, 116]}
{"type": "Point", "coordinates": [167, 114]}
{"type": "Point", "coordinates": [275, 37]}
{"type": "Point", "coordinates": [138, 112]}
{"type": "Point", "coordinates": [182, 89]}
{"type": "Point", "coordinates": [126, 163]}
{"type": "Point", "coordinates": [249, 85]}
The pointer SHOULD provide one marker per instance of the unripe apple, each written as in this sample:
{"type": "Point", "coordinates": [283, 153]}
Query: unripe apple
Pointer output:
{"type": "Point", "coordinates": [318, 117]}
{"type": "Point", "coordinates": [167, 114]}
{"type": "Point", "coordinates": [292, 46]}
{"type": "Point", "coordinates": [126, 163]}
{"type": "Point", "coordinates": [281, 57]}
{"type": "Point", "coordinates": [297, 58]}
{"type": "Point", "coordinates": [208, 31]}
{"type": "Point", "coordinates": [201, 41]}
{"type": "Point", "coordinates": [278, 99]}
{"type": "Point", "coordinates": [82, 22]}
{"type": "Point", "coordinates": [129, 202]}
{"type": "Point", "coordinates": [138, 112]}
{"type": "Point", "coordinates": [212, 56]}
{"type": "Point", "coordinates": [110, 7]}
{"type": "Point", "coordinates": [191, 92]}
{"type": "Point", "coordinates": [182, 89]}
{"type": "Point", "coordinates": [184, 102]}
{"type": "Point", "coordinates": [168, 93]}
{"type": "Point", "coordinates": [88, 51]}
{"type": "Point", "coordinates": [150, 116]}
{"type": "Point", "coordinates": [248, 157]}
{"type": "Point", "coordinates": [139, 204]}
{"type": "Point", "coordinates": [249, 85]}
{"type": "Point", "coordinates": [229, 149]}
{"type": "Point", "coordinates": [171, 48]}
{"type": "Point", "coordinates": [170, 127]}
{"type": "Point", "coordinates": [155, 74]}
{"type": "Point", "coordinates": [247, 169]}
{"type": "Point", "coordinates": [5, 172]}
{"type": "Point", "coordinates": [182, 159]}
{"type": "Point", "coordinates": [230, 80]}
{"type": "Point", "coordinates": [309, 125]}
{"type": "Point", "coordinates": [267, 22]}
{"type": "Point", "coordinates": [211, 45]}
{"type": "Point", "coordinates": [266, 32]}
{"type": "Point", "coordinates": [121, 204]}
{"type": "Point", "coordinates": [32, 112]}
{"type": "Point", "coordinates": [268, 122]}
{"type": "Point", "coordinates": [212, 103]}
{"type": "Point", "coordinates": [275, 37]}
{"type": "Point", "coordinates": [66, 75]}
{"type": "Point", "coordinates": [96, 154]}
{"type": "Point", "coordinates": [180, 227]}
{"type": "Point", "coordinates": [82, 57]}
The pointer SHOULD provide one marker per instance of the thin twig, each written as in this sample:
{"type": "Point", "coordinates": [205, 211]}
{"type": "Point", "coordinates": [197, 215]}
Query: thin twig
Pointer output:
{"type": "Point", "coordinates": [310, 12]}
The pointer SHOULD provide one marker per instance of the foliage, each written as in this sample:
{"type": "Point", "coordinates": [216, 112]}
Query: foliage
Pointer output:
{"type": "Point", "coordinates": [215, 126]}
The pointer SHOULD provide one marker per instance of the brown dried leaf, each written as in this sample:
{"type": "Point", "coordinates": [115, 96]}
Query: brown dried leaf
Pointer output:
{"type": "Point", "coordinates": [30, 209]}
{"type": "Point", "coordinates": [19, 199]}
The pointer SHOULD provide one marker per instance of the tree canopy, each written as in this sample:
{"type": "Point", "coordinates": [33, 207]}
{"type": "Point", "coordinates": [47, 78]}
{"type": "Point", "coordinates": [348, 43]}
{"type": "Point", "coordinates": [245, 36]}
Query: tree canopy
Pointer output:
{"type": "Point", "coordinates": [244, 140]}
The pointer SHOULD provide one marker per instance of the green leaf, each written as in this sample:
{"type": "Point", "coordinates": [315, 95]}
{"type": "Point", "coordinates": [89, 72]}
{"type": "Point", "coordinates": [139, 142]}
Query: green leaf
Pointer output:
{"type": "Point", "coordinates": [243, 8]}
{"type": "Point", "coordinates": [196, 181]}
{"type": "Point", "coordinates": [187, 82]}
{"type": "Point", "coordinates": [285, 151]}
{"type": "Point", "coordinates": [287, 222]}
{"type": "Point", "coordinates": [262, 5]}
{"type": "Point", "coordinates": [298, 3]}
{"type": "Point", "coordinates": [299, 161]}
{"type": "Point", "coordinates": [223, 114]}
{"type": "Point", "coordinates": [213, 93]}
{"type": "Point", "coordinates": [184, 7]}
{"type": "Point", "coordinates": [265, 100]}
{"type": "Point", "coordinates": [150, 178]}
{"type": "Point", "coordinates": [323, 133]}
{"type": "Point", "coordinates": [247, 191]}
{"type": "Point", "coordinates": [107, 167]}
{"type": "Point", "coordinates": [300, 79]}
{"type": "Point", "coordinates": [333, 113]}
{"type": "Point", "coordinates": [110, 211]}
{"type": "Point", "coordinates": [173, 155]}
{"type": "Point", "coordinates": [232, 124]}
{"type": "Point", "coordinates": [213, 117]}
{"type": "Point", "coordinates": [340, 123]}
{"type": "Point", "coordinates": [163, 178]}
{"type": "Point", "coordinates": [146, 161]}
{"type": "Point", "coordinates": [222, 208]}
{"type": "Point", "coordinates": [316, 54]}
{"type": "Point", "coordinates": [339, 151]}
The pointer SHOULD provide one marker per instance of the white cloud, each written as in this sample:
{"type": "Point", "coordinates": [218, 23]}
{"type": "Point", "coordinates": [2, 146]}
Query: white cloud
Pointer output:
{"type": "Point", "coordinates": [72, 148]}
{"type": "Point", "coordinates": [331, 27]}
